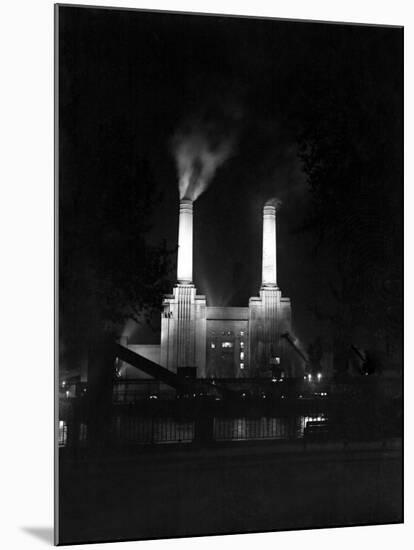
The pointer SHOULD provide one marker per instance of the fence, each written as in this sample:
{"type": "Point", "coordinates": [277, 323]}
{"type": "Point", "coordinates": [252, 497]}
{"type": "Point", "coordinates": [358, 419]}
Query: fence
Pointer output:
{"type": "Point", "coordinates": [66, 429]}
{"type": "Point", "coordinates": [131, 429]}
{"type": "Point", "coordinates": [239, 429]}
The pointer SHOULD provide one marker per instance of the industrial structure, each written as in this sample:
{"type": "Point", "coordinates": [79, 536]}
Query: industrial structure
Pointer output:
{"type": "Point", "coordinates": [202, 341]}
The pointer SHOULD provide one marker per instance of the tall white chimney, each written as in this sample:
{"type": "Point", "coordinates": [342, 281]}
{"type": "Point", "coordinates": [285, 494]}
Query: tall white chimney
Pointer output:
{"type": "Point", "coordinates": [269, 273]}
{"type": "Point", "coordinates": [185, 243]}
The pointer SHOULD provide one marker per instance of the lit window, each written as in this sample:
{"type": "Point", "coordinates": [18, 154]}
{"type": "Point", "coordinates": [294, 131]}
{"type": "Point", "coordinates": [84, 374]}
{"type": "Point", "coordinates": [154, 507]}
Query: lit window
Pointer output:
{"type": "Point", "coordinates": [242, 345]}
{"type": "Point", "coordinates": [242, 333]}
{"type": "Point", "coordinates": [227, 344]}
{"type": "Point", "coordinates": [242, 355]}
{"type": "Point", "coordinates": [213, 345]}
{"type": "Point", "coordinates": [242, 366]}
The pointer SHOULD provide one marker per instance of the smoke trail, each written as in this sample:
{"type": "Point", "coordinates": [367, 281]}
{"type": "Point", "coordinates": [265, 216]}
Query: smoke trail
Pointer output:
{"type": "Point", "coordinates": [199, 149]}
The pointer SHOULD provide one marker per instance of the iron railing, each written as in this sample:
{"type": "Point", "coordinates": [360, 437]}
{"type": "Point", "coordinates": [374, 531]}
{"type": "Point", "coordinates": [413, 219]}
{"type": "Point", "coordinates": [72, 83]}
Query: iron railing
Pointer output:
{"type": "Point", "coordinates": [131, 429]}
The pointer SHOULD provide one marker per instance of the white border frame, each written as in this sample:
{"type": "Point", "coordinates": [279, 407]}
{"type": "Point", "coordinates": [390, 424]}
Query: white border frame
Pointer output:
{"type": "Point", "coordinates": [26, 290]}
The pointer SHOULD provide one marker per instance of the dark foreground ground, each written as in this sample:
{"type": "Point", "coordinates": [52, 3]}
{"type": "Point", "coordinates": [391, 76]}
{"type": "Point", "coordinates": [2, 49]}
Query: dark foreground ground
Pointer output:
{"type": "Point", "coordinates": [178, 492]}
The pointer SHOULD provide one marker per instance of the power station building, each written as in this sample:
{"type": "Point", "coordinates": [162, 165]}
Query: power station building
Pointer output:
{"type": "Point", "coordinates": [222, 342]}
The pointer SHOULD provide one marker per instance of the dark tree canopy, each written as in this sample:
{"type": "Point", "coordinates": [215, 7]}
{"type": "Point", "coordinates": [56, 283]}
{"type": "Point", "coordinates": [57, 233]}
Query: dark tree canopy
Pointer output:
{"type": "Point", "coordinates": [351, 148]}
{"type": "Point", "coordinates": [109, 268]}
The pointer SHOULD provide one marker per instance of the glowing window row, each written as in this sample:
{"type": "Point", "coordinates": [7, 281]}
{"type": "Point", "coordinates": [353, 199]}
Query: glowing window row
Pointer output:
{"type": "Point", "coordinates": [227, 345]}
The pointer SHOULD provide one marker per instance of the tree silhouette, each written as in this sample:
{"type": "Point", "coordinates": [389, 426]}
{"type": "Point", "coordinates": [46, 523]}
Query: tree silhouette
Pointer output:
{"type": "Point", "coordinates": [350, 137]}
{"type": "Point", "coordinates": [109, 271]}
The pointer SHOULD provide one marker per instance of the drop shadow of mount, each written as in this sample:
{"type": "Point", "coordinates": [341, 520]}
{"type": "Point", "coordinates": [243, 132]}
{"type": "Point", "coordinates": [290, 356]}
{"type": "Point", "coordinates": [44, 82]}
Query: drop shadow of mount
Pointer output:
{"type": "Point", "coordinates": [44, 534]}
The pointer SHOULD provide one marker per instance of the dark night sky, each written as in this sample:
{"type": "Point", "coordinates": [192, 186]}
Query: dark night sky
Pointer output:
{"type": "Point", "coordinates": [145, 73]}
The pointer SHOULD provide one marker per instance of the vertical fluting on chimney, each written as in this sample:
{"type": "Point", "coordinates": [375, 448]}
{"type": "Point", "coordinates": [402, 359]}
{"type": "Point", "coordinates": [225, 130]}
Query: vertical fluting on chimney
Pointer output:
{"type": "Point", "coordinates": [269, 273]}
{"type": "Point", "coordinates": [185, 243]}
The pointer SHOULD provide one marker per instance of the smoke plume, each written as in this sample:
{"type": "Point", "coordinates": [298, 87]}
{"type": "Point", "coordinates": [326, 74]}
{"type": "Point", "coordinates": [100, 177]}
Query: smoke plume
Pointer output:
{"type": "Point", "coordinates": [200, 146]}
{"type": "Point", "coordinates": [274, 201]}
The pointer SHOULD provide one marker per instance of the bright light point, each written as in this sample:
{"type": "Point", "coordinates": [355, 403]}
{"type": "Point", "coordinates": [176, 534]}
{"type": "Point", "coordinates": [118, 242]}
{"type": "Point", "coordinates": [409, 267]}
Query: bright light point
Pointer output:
{"type": "Point", "coordinates": [274, 379]}
{"type": "Point", "coordinates": [67, 393]}
{"type": "Point", "coordinates": [319, 376]}
{"type": "Point", "coordinates": [310, 377]}
{"type": "Point", "coordinates": [227, 344]}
